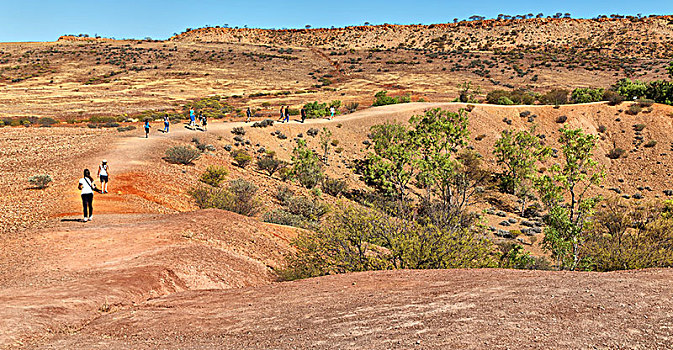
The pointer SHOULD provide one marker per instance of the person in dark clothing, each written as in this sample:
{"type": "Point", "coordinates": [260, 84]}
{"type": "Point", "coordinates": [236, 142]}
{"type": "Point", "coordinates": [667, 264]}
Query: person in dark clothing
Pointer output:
{"type": "Point", "coordinates": [249, 115]}
{"type": "Point", "coordinates": [287, 115]}
{"type": "Point", "coordinates": [204, 122]}
{"type": "Point", "coordinates": [282, 113]}
{"type": "Point", "coordinates": [87, 187]}
{"type": "Point", "coordinates": [303, 114]}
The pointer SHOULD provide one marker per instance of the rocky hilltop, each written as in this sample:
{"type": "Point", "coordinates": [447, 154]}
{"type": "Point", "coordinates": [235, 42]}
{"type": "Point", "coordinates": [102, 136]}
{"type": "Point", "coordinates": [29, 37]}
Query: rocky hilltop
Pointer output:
{"type": "Point", "coordinates": [625, 36]}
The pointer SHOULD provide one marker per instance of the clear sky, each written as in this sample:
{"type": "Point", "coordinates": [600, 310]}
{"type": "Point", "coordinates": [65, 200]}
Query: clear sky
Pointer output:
{"type": "Point", "coordinates": [46, 20]}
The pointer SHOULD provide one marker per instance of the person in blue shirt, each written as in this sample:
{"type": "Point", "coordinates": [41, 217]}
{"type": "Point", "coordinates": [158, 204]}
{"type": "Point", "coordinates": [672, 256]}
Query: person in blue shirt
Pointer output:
{"type": "Point", "coordinates": [166, 123]}
{"type": "Point", "coordinates": [192, 117]}
{"type": "Point", "coordinates": [147, 128]}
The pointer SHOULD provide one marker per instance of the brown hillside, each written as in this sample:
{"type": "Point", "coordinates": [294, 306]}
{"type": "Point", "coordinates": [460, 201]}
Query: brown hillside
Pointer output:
{"type": "Point", "coordinates": [643, 37]}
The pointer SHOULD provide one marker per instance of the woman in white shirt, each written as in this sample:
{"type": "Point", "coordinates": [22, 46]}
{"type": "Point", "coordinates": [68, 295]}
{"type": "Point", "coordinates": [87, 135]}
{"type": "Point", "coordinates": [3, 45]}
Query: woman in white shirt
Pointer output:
{"type": "Point", "coordinates": [87, 187]}
{"type": "Point", "coordinates": [103, 173]}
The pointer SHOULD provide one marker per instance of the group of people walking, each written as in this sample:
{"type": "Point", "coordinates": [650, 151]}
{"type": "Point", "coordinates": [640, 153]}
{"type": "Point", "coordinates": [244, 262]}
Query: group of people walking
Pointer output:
{"type": "Point", "coordinates": [87, 187]}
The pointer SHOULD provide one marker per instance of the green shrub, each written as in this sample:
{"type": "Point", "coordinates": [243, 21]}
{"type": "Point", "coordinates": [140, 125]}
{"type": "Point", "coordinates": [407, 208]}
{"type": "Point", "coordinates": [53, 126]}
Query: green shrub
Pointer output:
{"type": "Point", "coordinates": [334, 187]}
{"type": "Point", "coordinates": [359, 239]}
{"type": "Point", "coordinates": [47, 121]}
{"type": "Point", "coordinates": [306, 165]}
{"type": "Point", "coordinates": [283, 217]}
{"type": "Point", "coordinates": [214, 175]}
{"type": "Point", "coordinates": [238, 197]}
{"type": "Point", "coordinates": [238, 131]}
{"type": "Point", "coordinates": [315, 110]}
{"type": "Point", "coordinates": [40, 181]}
{"type": "Point", "coordinates": [586, 95]}
{"type": "Point", "coordinates": [506, 97]}
{"type": "Point", "coordinates": [650, 144]}
{"type": "Point", "coordinates": [381, 99]}
{"type": "Point", "coordinates": [645, 102]}
{"type": "Point", "coordinates": [269, 164]}
{"type": "Point", "coordinates": [634, 109]}
{"type": "Point", "coordinates": [616, 153]}
{"type": "Point", "coordinates": [639, 127]}
{"type": "Point", "coordinates": [241, 157]}
{"type": "Point", "coordinates": [504, 101]}
{"type": "Point", "coordinates": [182, 154]}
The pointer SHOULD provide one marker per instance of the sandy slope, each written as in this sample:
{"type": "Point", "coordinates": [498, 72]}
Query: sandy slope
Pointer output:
{"type": "Point", "coordinates": [135, 277]}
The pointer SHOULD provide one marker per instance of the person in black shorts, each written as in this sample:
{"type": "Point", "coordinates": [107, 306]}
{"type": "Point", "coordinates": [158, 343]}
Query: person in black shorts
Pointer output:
{"type": "Point", "coordinates": [103, 173]}
{"type": "Point", "coordinates": [303, 114]}
{"type": "Point", "coordinates": [204, 122]}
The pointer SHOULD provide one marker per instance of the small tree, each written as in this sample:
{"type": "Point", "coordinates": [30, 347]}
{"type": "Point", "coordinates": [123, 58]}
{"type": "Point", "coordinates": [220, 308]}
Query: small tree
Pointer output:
{"type": "Point", "coordinates": [565, 193]}
{"type": "Point", "coordinates": [306, 165]}
{"type": "Point", "coordinates": [390, 167]}
{"type": "Point", "coordinates": [669, 69]}
{"type": "Point", "coordinates": [325, 142]}
{"type": "Point", "coordinates": [519, 152]}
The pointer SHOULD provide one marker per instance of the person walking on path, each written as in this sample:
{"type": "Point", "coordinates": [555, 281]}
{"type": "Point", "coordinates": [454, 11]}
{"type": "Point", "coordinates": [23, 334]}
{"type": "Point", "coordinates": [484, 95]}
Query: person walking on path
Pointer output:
{"type": "Point", "coordinates": [282, 113]}
{"type": "Point", "coordinates": [248, 115]}
{"type": "Point", "coordinates": [204, 122]}
{"type": "Point", "coordinates": [103, 173]}
{"type": "Point", "coordinates": [147, 128]}
{"type": "Point", "coordinates": [332, 111]}
{"type": "Point", "coordinates": [167, 122]}
{"type": "Point", "coordinates": [192, 117]}
{"type": "Point", "coordinates": [303, 114]}
{"type": "Point", "coordinates": [87, 187]}
{"type": "Point", "coordinates": [287, 115]}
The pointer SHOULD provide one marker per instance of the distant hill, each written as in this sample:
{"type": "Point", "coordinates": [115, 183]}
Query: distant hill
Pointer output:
{"type": "Point", "coordinates": [631, 36]}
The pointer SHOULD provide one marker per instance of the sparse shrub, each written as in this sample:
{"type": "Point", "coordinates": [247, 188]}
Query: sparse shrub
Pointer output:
{"type": "Point", "coordinates": [612, 97]}
{"type": "Point", "coordinates": [313, 132]}
{"type": "Point", "coordinates": [182, 154]}
{"type": "Point", "coordinates": [513, 97]}
{"type": "Point", "coordinates": [238, 197]}
{"type": "Point", "coordinates": [241, 157]}
{"type": "Point", "coordinates": [126, 128]}
{"type": "Point", "coordinates": [644, 102]}
{"type": "Point", "coordinates": [334, 187]}
{"type": "Point", "coordinates": [554, 97]}
{"type": "Point", "coordinates": [479, 137]}
{"type": "Point", "coordinates": [616, 153]}
{"type": "Point", "coordinates": [214, 175]}
{"type": "Point", "coordinates": [602, 129]}
{"type": "Point", "coordinates": [352, 107]}
{"type": "Point", "coordinates": [238, 131]}
{"type": "Point", "coordinates": [47, 121]}
{"type": "Point", "coordinates": [263, 124]}
{"type": "Point", "coordinates": [561, 119]}
{"type": "Point", "coordinates": [269, 164]}
{"type": "Point", "coordinates": [650, 144]}
{"type": "Point", "coordinates": [40, 181]}
{"type": "Point", "coordinates": [634, 109]}
{"type": "Point", "coordinates": [639, 127]}
{"type": "Point", "coordinates": [283, 217]}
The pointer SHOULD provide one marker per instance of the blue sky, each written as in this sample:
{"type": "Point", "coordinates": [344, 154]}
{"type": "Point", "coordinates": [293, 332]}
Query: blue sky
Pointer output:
{"type": "Point", "coordinates": [46, 20]}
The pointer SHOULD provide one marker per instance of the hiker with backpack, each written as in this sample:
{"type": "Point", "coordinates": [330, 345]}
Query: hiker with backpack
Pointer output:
{"type": "Point", "coordinates": [87, 187]}
{"type": "Point", "coordinates": [103, 173]}
{"type": "Point", "coordinates": [204, 122]}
